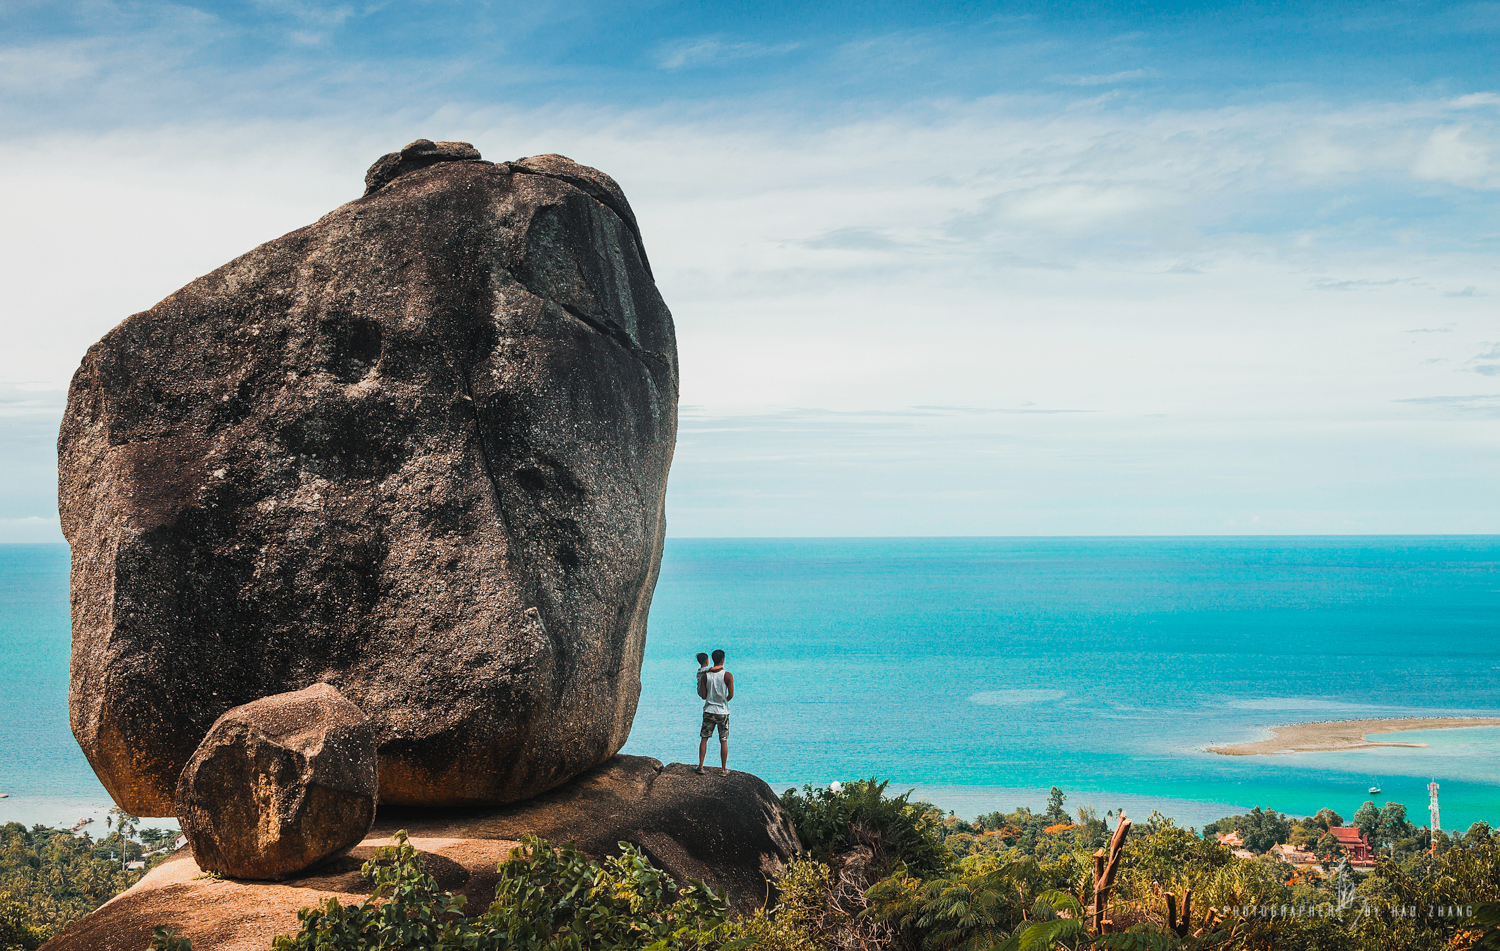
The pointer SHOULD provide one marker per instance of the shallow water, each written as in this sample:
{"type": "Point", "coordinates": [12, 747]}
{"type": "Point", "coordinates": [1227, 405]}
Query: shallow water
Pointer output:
{"type": "Point", "coordinates": [984, 671]}
{"type": "Point", "coordinates": [1103, 666]}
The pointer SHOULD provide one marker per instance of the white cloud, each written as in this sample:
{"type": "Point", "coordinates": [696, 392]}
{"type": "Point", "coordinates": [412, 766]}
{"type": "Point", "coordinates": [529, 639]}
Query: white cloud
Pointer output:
{"type": "Point", "coordinates": [1081, 206]}
{"type": "Point", "coordinates": [1459, 155]}
{"type": "Point", "coordinates": [987, 255]}
{"type": "Point", "coordinates": [1476, 100]}
{"type": "Point", "coordinates": [37, 67]}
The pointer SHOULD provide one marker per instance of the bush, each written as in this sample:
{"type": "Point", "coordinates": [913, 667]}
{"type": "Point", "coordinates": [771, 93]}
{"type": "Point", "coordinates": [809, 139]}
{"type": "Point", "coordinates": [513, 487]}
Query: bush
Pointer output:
{"type": "Point", "coordinates": [972, 908]}
{"type": "Point", "coordinates": [837, 819]}
{"type": "Point", "coordinates": [797, 923]}
{"type": "Point", "coordinates": [548, 899]}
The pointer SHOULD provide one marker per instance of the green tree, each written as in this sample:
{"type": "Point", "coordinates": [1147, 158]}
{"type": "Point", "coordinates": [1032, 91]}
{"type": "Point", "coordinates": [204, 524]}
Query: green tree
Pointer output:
{"type": "Point", "coordinates": [1055, 811]}
{"type": "Point", "coordinates": [1260, 828]}
{"type": "Point", "coordinates": [1367, 820]}
{"type": "Point", "coordinates": [1393, 826]}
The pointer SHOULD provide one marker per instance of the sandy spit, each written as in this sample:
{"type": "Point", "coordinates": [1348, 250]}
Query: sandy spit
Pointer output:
{"type": "Point", "coordinates": [1335, 735]}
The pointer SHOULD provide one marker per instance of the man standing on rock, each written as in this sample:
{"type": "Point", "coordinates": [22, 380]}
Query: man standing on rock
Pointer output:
{"type": "Point", "coordinates": [716, 687]}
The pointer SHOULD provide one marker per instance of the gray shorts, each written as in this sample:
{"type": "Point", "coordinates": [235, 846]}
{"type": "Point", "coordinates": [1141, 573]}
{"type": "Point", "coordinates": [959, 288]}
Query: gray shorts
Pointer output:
{"type": "Point", "coordinates": [711, 720]}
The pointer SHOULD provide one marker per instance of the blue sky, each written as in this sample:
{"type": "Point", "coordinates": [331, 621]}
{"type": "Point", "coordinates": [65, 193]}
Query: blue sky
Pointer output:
{"type": "Point", "coordinates": [937, 268]}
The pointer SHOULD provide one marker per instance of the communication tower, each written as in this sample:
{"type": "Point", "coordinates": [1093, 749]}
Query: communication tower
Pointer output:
{"type": "Point", "coordinates": [1432, 806]}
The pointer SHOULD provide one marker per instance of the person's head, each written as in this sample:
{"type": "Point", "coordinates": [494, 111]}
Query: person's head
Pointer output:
{"type": "Point", "coordinates": [702, 659]}
{"type": "Point", "coordinates": [718, 658]}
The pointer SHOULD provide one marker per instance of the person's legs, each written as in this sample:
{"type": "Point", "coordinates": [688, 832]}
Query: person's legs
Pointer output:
{"type": "Point", "coordinates": [724, 745]}
{"type": "Point", "coordinates": [703, 735]}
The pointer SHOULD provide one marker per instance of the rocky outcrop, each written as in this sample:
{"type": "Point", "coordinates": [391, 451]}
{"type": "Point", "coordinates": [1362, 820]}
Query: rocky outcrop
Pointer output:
{"type": "Point", "coordinates": [417, 451]}
{"type": "Point", "coordinates": [727, 830]}
{"type": "Point", "coordinates": [279, 785]}
{"type": "Point", "coordinates": [232, 915]}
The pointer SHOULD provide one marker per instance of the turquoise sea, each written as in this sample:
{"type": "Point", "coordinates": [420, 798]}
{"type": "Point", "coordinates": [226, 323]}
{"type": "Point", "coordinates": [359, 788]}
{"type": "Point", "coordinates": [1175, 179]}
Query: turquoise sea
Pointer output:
{"type": "Point", "coordinates": [982, 671]}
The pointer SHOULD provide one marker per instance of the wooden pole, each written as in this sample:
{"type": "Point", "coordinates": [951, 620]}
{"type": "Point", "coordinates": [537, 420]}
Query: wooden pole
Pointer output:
{"type": "Point", "coordinates": [1097, 906]}
{"type": "Point", "coordinates": [1104, 876]}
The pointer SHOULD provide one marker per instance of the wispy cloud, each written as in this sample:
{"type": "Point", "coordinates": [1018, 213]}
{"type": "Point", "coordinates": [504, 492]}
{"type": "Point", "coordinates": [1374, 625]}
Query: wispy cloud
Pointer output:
{"type": "Point", "coordinates": [1476, 100]}
{"type": "Point", "coordinates": [1325, 284]}
{"type": "Point", "coordinates": [1483, 367]}
{"type": "Point", "coordinates": [852, 239]}
{"type": "Point", "coordinates": [325, 16]}
{"type": "Point", "coordinates": [1106, 79]}
{"type": "Point", "coordinates": [712, 51]}
{"type": "Point", "coordinates": [1479, 404]}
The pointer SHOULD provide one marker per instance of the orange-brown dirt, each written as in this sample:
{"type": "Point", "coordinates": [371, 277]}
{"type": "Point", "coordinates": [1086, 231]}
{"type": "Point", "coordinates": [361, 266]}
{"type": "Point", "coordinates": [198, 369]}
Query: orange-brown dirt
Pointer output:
{"type": "Point", "coordinates": [229, 915]}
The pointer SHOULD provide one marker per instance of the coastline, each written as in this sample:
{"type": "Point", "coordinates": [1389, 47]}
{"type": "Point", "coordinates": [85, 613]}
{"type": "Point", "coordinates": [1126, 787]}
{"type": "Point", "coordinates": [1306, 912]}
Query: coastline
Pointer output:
{"type": "Point", "coordinates": [1331, 736]}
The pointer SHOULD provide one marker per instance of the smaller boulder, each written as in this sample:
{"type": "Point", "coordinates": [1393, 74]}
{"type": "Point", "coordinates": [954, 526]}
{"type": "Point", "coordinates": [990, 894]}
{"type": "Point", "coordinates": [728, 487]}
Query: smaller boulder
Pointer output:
{"type": "Point", "coordinates": [419, 154]}
{"type": "Point", "coordinates": [279, 785]}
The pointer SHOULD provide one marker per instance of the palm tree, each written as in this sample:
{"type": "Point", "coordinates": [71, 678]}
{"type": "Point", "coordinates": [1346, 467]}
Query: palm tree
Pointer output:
{"type": "Point", "coordinates": [125, 825]}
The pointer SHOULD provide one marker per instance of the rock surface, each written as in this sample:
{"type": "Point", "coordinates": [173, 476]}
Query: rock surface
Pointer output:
{"type": "Point", "coordinates": [417, 450]}
{"type": "Point", "coordinates": [229, 915]}
{"type": "Point", "coordinates": [279, 785]}
{"type": "Point", "coordinates": [728, 831]}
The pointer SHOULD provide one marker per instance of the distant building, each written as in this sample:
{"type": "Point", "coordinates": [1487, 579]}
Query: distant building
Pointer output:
{"type": "Point", "coordinates": [135, 866]}
{"type": "Point", "coordinates": [1231, 840]}
{"type": "Point", "coordinates": [1355, 843]}
{"type": "Point", "coordinates": [1243, 854]}
{"type": "Point", "coordinates": [1292, 855]}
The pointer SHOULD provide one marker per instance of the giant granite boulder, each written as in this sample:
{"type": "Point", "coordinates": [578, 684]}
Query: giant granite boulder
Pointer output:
{"type": "Point", "coordinates": [417, 450]}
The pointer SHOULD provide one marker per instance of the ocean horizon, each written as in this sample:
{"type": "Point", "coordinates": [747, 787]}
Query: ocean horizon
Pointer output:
{"type": "Point", "coordinates": [979, 672]}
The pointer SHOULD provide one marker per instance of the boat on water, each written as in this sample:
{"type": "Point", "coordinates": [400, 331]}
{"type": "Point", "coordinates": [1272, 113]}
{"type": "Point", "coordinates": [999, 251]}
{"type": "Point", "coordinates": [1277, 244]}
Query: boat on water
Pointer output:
{"type": "Point", "coordinates": [1375, 789]}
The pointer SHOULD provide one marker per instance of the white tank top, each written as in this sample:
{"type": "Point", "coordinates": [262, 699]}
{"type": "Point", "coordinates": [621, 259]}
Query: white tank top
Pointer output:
{"type": "Point", "coordinates": [718, 694]}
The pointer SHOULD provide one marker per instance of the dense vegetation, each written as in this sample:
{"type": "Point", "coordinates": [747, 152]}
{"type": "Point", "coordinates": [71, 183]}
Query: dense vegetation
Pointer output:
{"type": "Point", "coordinates": [49, 877]}
{"type": "Point", "coordinates": [548, 899]}
{"type": "Point", "coordinates": [882, 873]}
